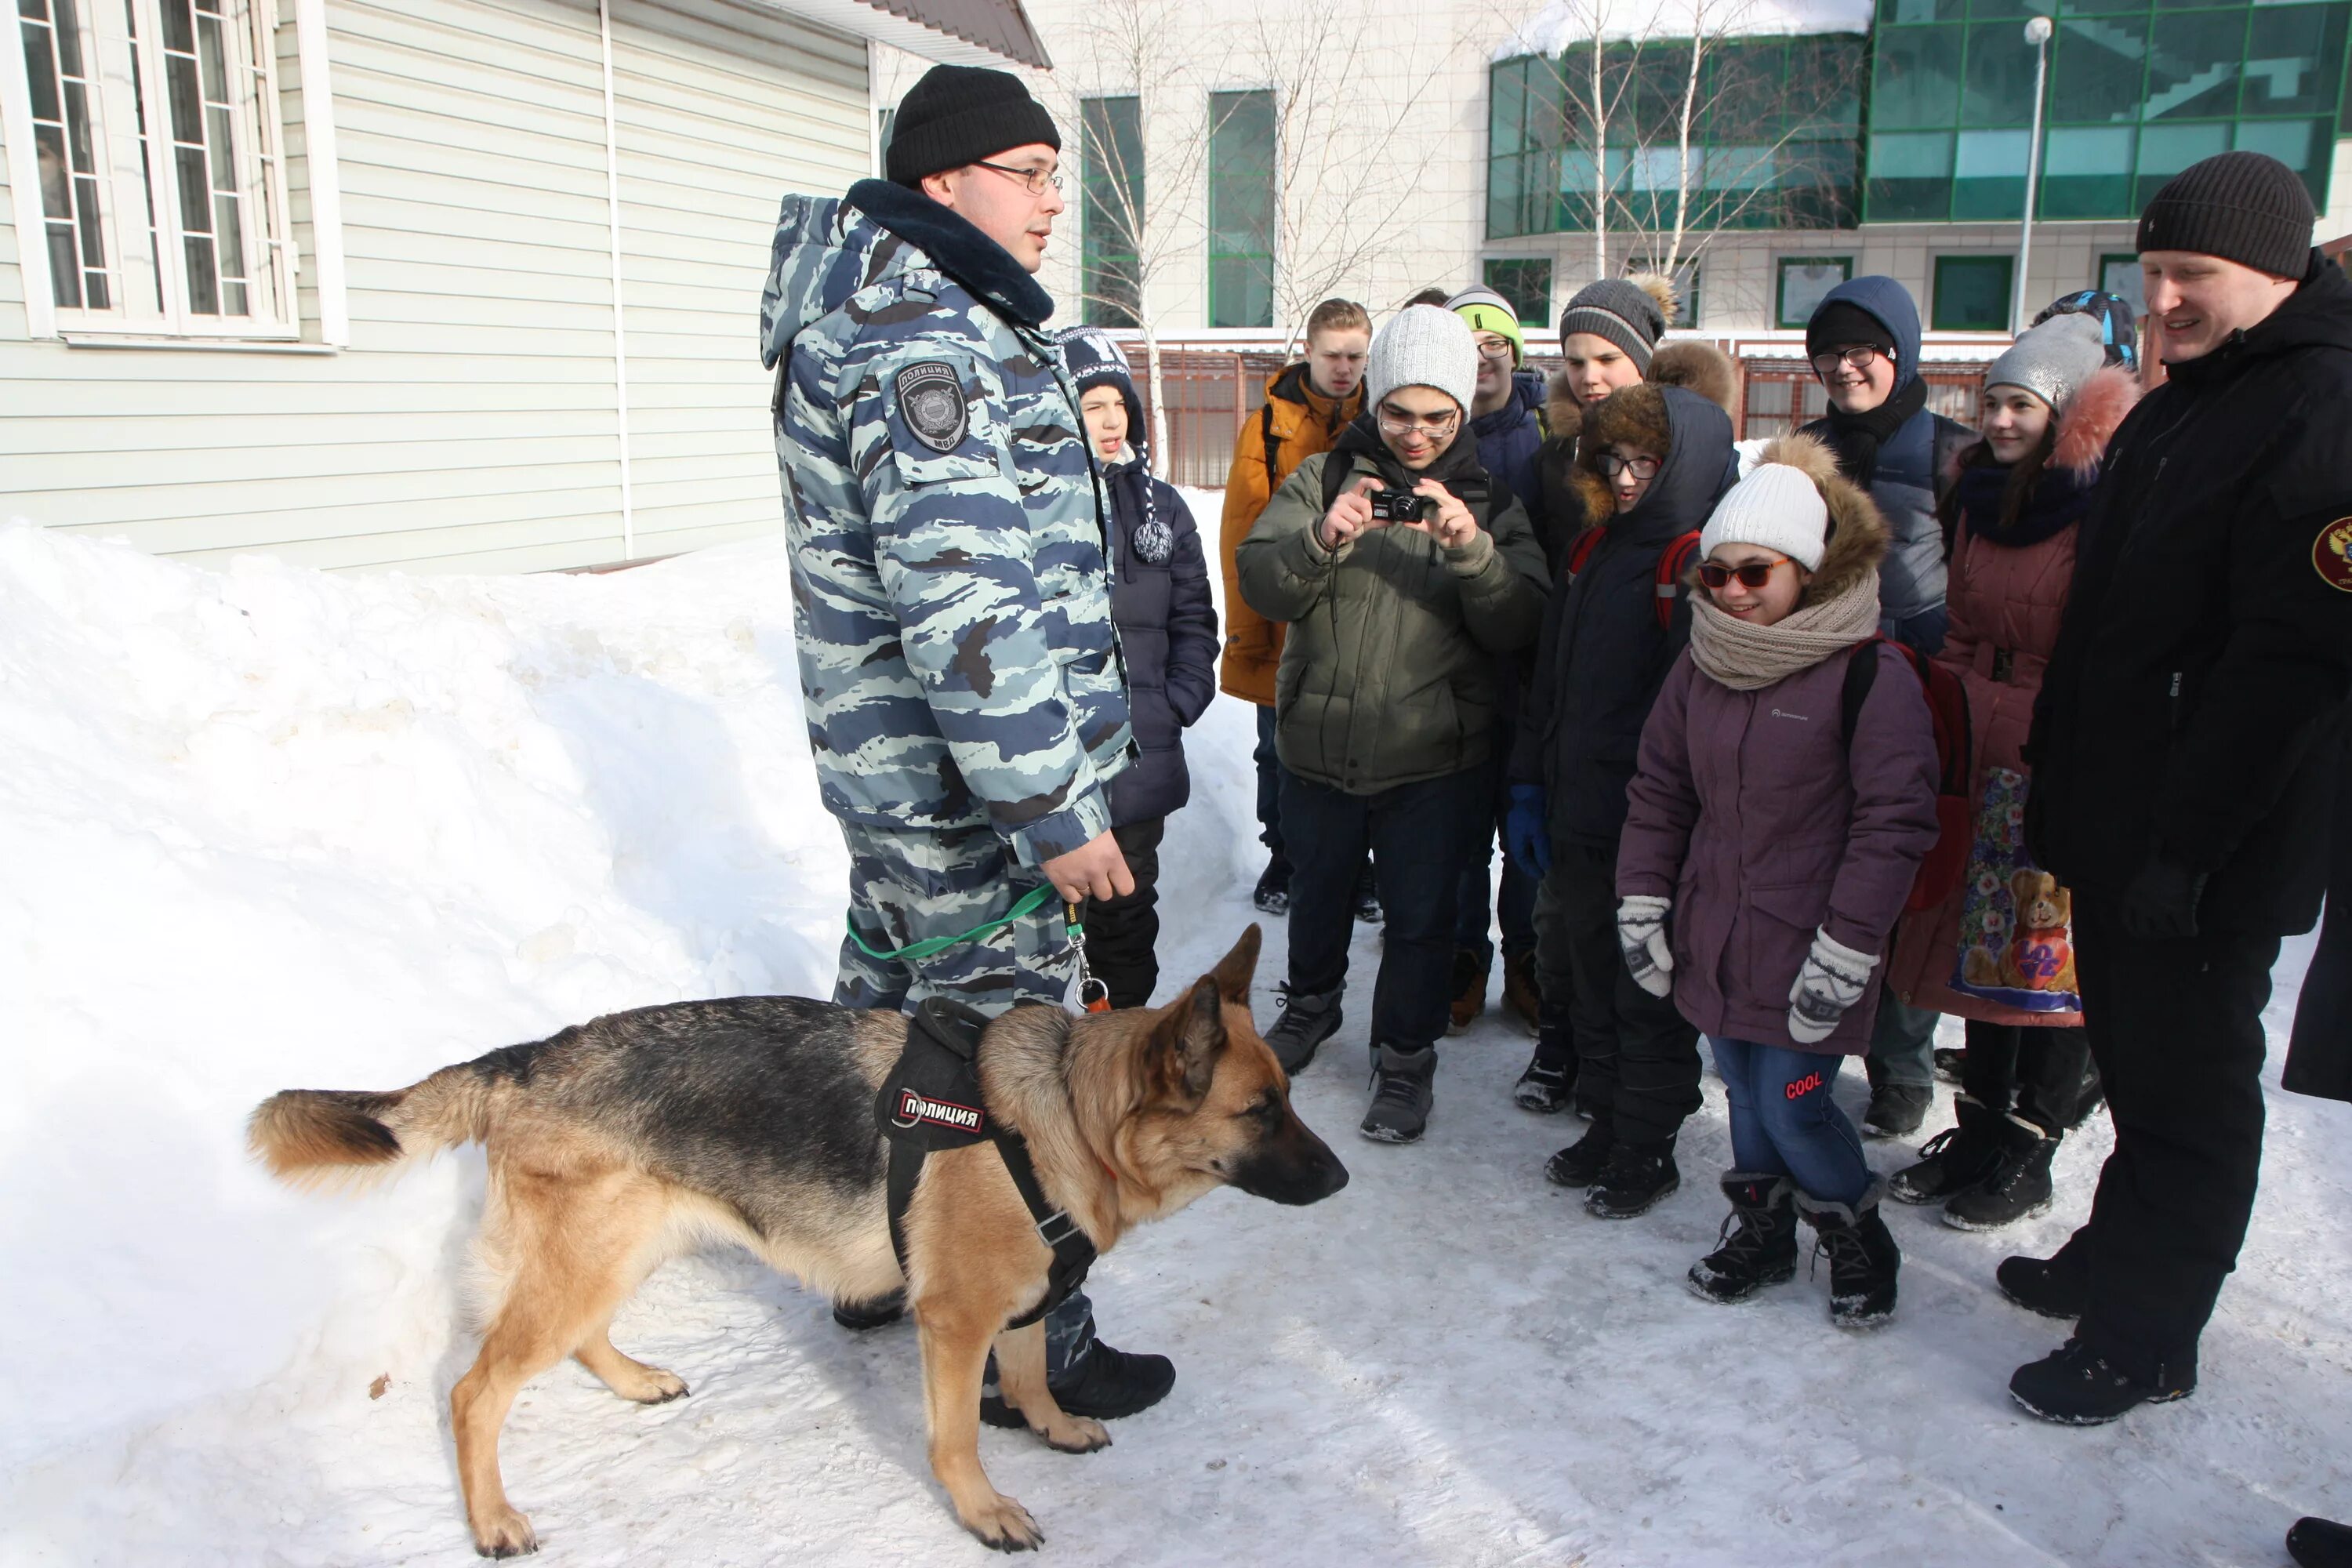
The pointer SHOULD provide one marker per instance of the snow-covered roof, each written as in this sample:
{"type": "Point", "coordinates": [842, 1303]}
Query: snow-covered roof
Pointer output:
{"type": "Point", "coordinates": [1565, 21]}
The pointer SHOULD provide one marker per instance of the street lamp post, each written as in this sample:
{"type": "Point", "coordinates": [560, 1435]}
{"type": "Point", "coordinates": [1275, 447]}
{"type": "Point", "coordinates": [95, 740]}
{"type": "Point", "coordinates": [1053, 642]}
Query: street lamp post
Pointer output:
{"type": "Point", "coordinates": [2037, 33]}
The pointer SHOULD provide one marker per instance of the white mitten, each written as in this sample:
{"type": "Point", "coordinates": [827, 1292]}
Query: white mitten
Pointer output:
{"type": "Point", "coordinates": [1641, 936]}
{"type": "Point", "coordinates": [1832, 981]}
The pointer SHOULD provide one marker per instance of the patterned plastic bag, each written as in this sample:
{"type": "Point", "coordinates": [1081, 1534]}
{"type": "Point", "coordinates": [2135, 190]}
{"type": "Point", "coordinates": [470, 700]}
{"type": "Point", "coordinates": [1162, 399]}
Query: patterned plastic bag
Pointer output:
{"type": "Point", "coordinates": [2017, 945]}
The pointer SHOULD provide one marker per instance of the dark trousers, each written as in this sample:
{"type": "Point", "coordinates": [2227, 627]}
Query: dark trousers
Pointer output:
{"type": "Point", "coordinates": [1123, 933]}
{"type": "Point", "coordinates": [2035, 1072]}
{"type": "Point", "coordinates": [1269, 795]}
{"type": "Point", "coordinates": [2175, 1029]}
{"type": "Point", "coordinates": [1476, 905]}
{"type": "Point", "coordinates": [1414, 833]}
{"type": "Point", "coordinates": [1637, 1059]}
{"type": "Point", "coordinates": [1902, 1044]}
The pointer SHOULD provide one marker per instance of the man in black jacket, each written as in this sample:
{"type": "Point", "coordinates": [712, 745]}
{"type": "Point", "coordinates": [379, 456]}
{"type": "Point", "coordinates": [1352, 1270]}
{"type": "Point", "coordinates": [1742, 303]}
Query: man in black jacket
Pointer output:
{"type": "Point", "coordinates": [2184, 762]}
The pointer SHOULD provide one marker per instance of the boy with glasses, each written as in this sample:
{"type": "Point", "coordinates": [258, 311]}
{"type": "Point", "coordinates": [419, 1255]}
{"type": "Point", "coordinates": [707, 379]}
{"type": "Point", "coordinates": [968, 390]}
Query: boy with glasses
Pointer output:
{"type": "Point", "coordinates": [1402, 570]}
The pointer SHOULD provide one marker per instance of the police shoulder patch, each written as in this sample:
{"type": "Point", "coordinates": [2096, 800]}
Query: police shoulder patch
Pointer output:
{"type": "Point", "coordinates": [931, 401]}
{"type": "Point", "coordinates": [2331, 554]}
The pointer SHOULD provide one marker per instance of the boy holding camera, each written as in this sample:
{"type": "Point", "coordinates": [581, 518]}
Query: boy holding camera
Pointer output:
{"type": "Point", "coordinates": [1401, 570]}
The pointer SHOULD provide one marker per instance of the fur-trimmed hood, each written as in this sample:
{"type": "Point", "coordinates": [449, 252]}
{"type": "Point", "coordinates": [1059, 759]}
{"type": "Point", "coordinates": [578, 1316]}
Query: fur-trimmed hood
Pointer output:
{"type": "Point", "coordinates": [1692, 433]}
{"type": "Point", "coordinates": [1857, 534]}
{"type": "Point", "coordinates": [1700, 366]}
{"type": "Point", "coordinates": [2091, 420]}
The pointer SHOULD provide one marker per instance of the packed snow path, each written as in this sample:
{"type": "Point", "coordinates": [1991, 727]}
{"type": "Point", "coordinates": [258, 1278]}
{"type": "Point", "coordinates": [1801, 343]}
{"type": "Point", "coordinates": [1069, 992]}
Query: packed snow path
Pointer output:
{"type": "Point", "coordinates": [265, 828]}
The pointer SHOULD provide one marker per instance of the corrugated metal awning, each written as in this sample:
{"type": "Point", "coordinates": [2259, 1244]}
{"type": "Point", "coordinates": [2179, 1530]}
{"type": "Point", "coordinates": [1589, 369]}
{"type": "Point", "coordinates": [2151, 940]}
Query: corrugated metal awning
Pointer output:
{"type": "Point", "coordinates": [958, 32]}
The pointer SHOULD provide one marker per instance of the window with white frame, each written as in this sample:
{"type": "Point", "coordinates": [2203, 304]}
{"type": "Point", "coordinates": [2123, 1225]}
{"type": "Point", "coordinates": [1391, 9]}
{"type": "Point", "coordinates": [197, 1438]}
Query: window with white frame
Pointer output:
{"type": "Point", "coordinates": [156, 133]}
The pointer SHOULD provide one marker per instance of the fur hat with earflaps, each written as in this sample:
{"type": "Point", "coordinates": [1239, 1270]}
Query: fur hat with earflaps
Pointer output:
{"type": "Point", "coordinates": [1795, 501]}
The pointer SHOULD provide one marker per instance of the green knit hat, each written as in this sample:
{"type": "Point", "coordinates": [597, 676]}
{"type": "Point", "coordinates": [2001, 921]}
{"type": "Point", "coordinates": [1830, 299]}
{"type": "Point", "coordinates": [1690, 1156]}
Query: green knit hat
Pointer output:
{"type": "Point", "coordinates": [1488, 311]}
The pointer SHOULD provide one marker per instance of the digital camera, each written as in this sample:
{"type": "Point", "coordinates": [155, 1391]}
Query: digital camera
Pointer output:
{"type": "Point", "coordinates": [1402, 506]}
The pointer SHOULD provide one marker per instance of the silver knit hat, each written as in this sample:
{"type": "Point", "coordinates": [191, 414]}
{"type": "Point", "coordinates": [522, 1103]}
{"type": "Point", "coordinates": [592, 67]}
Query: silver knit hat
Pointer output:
{"type": "Point", "coordinates": [2054, 360]}
{"type": "Point", "coordinates": [1424, 345]}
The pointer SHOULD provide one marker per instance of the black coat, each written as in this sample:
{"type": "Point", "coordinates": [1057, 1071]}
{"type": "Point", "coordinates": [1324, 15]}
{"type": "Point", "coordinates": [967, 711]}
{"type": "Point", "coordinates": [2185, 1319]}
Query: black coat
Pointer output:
{"type": "Point", "coordinates": [1602, 654]}
{"type": "Point", "coordinates": [2192, 704]}
{"type": "Point", "coordinates": [1167, 633]}
{"type": "Point", "coordinates": [2319, 1057]}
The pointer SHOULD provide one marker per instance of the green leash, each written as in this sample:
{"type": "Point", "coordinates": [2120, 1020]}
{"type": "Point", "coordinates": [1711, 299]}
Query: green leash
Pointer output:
{"type": "Point", "coordinates": [1026, 905]}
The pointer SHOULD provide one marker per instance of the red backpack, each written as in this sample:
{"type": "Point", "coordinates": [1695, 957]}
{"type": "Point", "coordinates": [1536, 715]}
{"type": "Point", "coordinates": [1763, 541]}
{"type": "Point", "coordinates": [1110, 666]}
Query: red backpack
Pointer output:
{"type": "Point", "coordinates": [1673, 562]}
{"type": "Point", "coordinates": [1947, 712]}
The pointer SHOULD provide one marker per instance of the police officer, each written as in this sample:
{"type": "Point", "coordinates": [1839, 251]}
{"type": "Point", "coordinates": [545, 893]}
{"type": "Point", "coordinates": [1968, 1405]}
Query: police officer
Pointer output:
{"type": "Point", "coordinates": [961, 680]}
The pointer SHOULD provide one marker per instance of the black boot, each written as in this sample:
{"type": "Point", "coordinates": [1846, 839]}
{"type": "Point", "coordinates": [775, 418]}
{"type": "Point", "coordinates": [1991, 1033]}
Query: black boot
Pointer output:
{"type": "Point", "coordinates": [1581, 1162]}
{"type": "Point", "coordinates": [858, 1317]}
{"type": "Point", "coordinates": [1949, 1061]}
{"type": "Point", "coordinates": [1897, 1109]}
{"type": "Point", "coordinates": [1954, 1160]}
{"type": "Point", "coordinates": [1863, 1259]}
{"type": "Point", "coordinates": [1272, 893]}
{"type": "Point", "coordinates": [1308, 1018]}
{"type": "Point", "coordinates": [1368, 898]}
{"type": "Point", "coordinates": [1638, 1177]}
{"type": "Point", "coordinates": [2054, 1286]}
{"type": "Point", "coordinates": [1105, 1385]}
{"type": "Point", "coordinates": [2319, 1543]}
{"type": "Point", "coordinates": [1401, 1094]}
{"type": "Point", "coordinates": [1757, 1246]}
{"type": "Point", "coordinates": [2074, 1385]}
{"type": "Point", "coordinates": [2016, 1187]}
{"type": "Point", "coordinates": [1549, 1081]}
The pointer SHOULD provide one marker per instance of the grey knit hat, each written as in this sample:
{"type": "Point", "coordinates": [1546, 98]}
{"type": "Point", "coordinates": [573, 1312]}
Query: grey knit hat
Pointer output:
{"type": "Point", "coordinates": [2054, 360]}
{"type": "Point", "coordinates": [1620, 310]}
{"type": "Point", "coordinates": [1424, 345]}
{"type": "Point", "coordinates": [2246, 207]}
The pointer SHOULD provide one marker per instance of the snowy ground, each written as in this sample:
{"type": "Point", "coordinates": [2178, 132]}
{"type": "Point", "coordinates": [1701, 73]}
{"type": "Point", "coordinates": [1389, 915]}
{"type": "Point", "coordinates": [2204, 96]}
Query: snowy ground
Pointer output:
{"type": "Point", "coordinates": [266, 828]}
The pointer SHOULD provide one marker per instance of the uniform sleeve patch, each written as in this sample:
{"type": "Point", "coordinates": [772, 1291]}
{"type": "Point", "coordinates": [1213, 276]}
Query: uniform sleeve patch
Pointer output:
{"type": "Point", "coordinates": [2331, 554]}
{"type": "Point", "coordinates": [931, 401]}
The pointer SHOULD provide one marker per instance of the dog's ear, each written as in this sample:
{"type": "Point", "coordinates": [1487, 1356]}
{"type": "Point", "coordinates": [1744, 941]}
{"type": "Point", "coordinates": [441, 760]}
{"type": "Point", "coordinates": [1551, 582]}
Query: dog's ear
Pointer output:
{"type": "Point", "coordinates": [1187, 1042]}
{"type": "Point", "coordinates": [1234, 971]}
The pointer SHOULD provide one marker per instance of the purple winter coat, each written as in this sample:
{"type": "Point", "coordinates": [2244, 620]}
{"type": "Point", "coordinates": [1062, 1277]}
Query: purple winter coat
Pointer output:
{"type": "Point", "coordinates": [1755, 816]}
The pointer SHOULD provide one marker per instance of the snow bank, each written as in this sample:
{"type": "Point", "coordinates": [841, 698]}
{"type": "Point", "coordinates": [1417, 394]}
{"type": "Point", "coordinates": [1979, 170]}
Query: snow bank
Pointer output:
{"type": "Point", "coordinates": [265, 828]}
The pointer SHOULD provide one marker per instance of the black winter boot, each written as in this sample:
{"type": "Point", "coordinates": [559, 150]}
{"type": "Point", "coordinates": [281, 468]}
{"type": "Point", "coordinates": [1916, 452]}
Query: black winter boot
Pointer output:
{"type": "Point", "coordinates": [1897, 1109]}
{"type": "Point", "coordinates": [1105, 1384]}
{"type": "Point", "coordinates": [1272, 893]}
{"type": "Point", "coordinates": [1401, 1094]}
{"type": "Point", "coordinates": [2054, 1286]}
{"type": "Point", "coordinates": [1308, 1018]}
{"type": "Point", "coordinates": [1954, 1160]}
{"type": "Point", "coordinates": [1863, 1259]}
{"type": "Point", "coordinates": [859, 1317]}
{"type": "Point", "coordinates": [1368, 898]}
{"type": "Point", "coordinates": [2319, 1543]}
{"type": "Point", "coordinates": [1638, 1177]}
{"type": "Point", "coordinates": [1949, 1060]}
{"type": "Point", "coordinates": [2076, 1386]}
{"type": "Point", "coordinates": [1758, 1243]}
{"type": "Point", "coordinates": [2016, 1187]}
{"type": "Point", "coordinates": [1549, 1081]}
{"type": "Point", "coordinates": [1581, 1162]}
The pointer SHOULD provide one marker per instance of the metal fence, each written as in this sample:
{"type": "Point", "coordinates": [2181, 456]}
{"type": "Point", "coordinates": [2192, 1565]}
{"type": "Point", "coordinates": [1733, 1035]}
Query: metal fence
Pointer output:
{"type": "Point", "coordinates": [1214, 394]}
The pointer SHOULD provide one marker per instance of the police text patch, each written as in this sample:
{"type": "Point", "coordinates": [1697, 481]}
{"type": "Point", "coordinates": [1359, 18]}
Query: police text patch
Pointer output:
{"type": "Point", "coordinates": [931, 401]}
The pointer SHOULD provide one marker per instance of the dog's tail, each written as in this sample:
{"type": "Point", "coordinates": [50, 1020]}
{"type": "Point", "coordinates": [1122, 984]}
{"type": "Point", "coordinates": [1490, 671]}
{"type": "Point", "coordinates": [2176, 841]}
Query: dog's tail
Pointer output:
{"type": "Point", "coordinates": [318, 1137]}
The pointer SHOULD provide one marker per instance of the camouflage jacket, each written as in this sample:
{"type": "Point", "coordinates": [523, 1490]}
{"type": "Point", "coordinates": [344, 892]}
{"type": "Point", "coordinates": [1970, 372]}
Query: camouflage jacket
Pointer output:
{"type": "Point", "coordinates": [950, 579]}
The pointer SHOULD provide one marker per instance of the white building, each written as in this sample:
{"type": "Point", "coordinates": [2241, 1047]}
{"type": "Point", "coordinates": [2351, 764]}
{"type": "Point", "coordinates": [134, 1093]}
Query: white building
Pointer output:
{"type": "Point", "coordinates": [442, 284]}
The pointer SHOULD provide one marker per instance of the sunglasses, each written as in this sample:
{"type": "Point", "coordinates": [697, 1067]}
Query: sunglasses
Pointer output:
{"type": "Point", "coordinates": [1751, 573]}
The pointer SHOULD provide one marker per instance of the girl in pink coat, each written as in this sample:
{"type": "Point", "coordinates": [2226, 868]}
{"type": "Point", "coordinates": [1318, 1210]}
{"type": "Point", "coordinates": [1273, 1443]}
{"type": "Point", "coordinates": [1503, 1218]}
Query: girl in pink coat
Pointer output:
{"type": "Point", "coordinates": [2011, 515]}
{"type": "Point", "coordinates": [1768, 852]}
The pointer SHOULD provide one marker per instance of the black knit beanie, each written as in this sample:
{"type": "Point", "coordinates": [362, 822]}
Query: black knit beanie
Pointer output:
{"type": "Point", "coordinates": [1841, 323]}
{"type": "Point", "coordinates": [1618, 310]}
{"type": "Point", "coordinates": [961, 114]}
{"type": "Point", "coordinates": [2246, 207]}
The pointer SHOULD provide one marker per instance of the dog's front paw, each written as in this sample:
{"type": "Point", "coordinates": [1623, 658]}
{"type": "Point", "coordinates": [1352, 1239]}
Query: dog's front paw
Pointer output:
{"type": "Point", "coordinates": [1004, 1524]}
{"type": "Point", "coordinates": [1077, 1435]}
{"type": "Point", "coordinates": [505, 1533]}
{"type": "Point", "coordinates": [657, 1387]}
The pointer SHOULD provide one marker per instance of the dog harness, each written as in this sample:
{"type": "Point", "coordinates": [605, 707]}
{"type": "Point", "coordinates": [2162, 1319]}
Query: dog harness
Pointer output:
{"type": "Point", "coordinates": [931, 1101]}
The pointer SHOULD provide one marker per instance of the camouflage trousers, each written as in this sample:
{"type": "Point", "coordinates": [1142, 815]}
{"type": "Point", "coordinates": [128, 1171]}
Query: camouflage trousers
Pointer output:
{"type": "Point", "coordinates": [906, 887]}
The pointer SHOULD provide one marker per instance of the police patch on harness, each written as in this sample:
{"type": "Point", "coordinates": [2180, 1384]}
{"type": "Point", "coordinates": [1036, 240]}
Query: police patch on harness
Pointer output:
{"type": "Point", "coordinates": [931, 401]}
{"type": "Point", "coordinates": [2331, 554]}
{"type": "Point", "coordinates": [915, 1108]}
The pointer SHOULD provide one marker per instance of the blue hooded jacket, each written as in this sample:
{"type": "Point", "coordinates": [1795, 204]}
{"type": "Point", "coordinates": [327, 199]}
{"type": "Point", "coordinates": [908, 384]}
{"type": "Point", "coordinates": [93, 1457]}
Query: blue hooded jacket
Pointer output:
{"type": "Point", "coordinates": [1509, 439]}
{"type": "Point", "coordinates": [1913, 469]}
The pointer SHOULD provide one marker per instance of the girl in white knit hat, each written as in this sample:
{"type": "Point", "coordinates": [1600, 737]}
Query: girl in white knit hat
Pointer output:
{"type": "Point", "coordinates": [1768, 852]}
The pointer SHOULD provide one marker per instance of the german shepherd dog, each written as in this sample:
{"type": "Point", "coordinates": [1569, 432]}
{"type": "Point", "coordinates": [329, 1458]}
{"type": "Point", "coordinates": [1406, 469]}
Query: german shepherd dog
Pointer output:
{"type": "Point", "coordinates": [617, 1145]}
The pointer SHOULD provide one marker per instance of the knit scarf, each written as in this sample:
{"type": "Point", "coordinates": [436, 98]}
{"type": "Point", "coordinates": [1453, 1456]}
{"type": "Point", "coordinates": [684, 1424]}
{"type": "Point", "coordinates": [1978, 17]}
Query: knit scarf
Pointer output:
{"type": "Point", "coordinates": [1856, 437]}
{"type": "Point", "coordinates": [2060, 498]}
{"type": "Point", "coordinates": [1746, 656]}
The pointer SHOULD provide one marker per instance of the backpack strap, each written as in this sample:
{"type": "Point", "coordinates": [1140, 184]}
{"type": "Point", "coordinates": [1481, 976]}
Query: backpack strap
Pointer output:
{"type": "Point", "coordinates": [1581, 549]}
{"type": "Point", "coordinates": [1337, 470]}
{"type": "Point", "coordinates": [1861, 674]}
{"type": "Point", "coordinates": [1273, 446]}
{"type": "Point", "coordinates": [1674, 561]}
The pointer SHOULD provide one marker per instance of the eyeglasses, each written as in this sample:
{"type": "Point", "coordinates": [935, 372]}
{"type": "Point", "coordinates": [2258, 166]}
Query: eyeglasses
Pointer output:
{"type": "Point", "coordinates": [1751, 573]}
{"type": "Point", "coordinates": [1611, 465]}
{"type": "Point", "coordinates": [1037, 180]}
{"type": "Point", "coordinates": [1858, 358]}
{"type": "Point", "coordinates": [1394, 424]}
{"type": "Point", "coordinates": [1499, 349]}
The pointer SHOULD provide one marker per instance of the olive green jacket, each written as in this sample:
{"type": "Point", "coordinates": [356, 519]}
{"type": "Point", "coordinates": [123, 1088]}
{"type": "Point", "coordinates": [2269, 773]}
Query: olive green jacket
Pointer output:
{"type": "Point", "coordinates": [1389, 672]}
